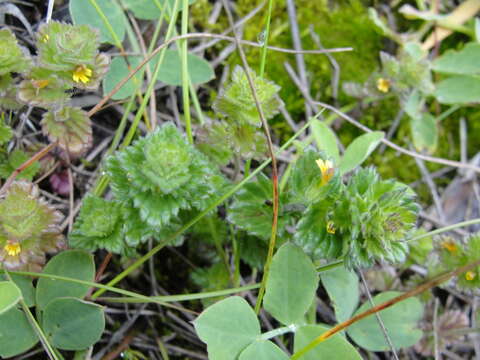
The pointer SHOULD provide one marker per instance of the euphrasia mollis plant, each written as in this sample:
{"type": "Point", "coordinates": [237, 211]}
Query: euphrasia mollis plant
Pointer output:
{"type": "Point", "coordinates": [239, 132]}
{"type": "Point", "coordinates": [28, 228]}
{"type": "Point", "coordinates": [67, 58]}
{"type": "Point", "coordinates": [158, 181]}
{"type": "Point", "coordinates": [363, 220]}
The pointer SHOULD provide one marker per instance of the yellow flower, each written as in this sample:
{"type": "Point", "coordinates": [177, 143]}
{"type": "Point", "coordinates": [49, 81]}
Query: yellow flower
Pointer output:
{"type": "Point", "coordinates": [383, 85]}
{"type": "Point", "coordinates": [40, 84]}
{"type": "Point", "coordinates": [82, 74]}
{"type": "Point", "coordinates": [45, 38]}
{"type": "Point", "coordinates": [470, 275]}
{"type": "Point", "coordinates": [449, 245]}
{"type": "Point", "coordinates": [327, 170]}
{"type": "Point", "coordinates": [331, 227]}
{"type": "Point", "coordinates": [12, 248]}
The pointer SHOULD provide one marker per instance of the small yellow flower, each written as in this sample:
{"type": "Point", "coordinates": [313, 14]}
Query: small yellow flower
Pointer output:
{"type": "Point", "coordinates": [327, 170]}
{"type": "Point", "coordinates": [383, 85]}
{"type": "Point", "coordinates": [40, 84]}
{"type": "Point", "coordinates": [45, 38]}
{"type": "Point", "coordinates": [82, 74]}
{"type": "Point", "coordinates": [331, 227]}
{"type": "Point", "coordinates": [449, 245]}
{"type": "Point", "coordinates": [470, 275]}
{"type": "Point", "coordinates": [12, 248]}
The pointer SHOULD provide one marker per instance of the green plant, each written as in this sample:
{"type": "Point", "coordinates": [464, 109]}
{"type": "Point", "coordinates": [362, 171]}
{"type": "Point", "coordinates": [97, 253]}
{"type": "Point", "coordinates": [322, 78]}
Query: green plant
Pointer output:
{"type": "Point", "coordinates": [157, 181]}
{"type": "Point", "coordinates": [65, 320]}
{"type": "Point", "coordinates": [28, 228]}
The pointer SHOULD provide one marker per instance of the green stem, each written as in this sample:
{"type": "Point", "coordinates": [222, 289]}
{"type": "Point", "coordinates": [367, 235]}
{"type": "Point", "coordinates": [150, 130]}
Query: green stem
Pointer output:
{"type": "Point", "coordinates": [271, 244]}
{"type": "Point", "coordinates": [192, 222]}
{"type": "Point", "coordinates": [33, 322]}
{"type": "Point", "coordinates": [265, 43]}
{"type": "Point", "coordinates": [277, 332]}
{"type": "Point", "coordinates": [185, 79]}
{"type": "Point", "coordinates": [185, 297]}
{"type": "Point", "coordinates": [445, 229]}
{"type": "Point", "coordinates": [149, 91]}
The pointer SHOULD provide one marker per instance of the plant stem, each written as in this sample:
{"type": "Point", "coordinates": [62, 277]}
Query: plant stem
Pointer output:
{"type": "Point", "coordinates": [267, 35]}
{"type": "Point", "coordinates": [445, 229]}
{"type": "Point", "coordinates": [185, 79]}
{"type": "Point", "coordinates": [277, 332]}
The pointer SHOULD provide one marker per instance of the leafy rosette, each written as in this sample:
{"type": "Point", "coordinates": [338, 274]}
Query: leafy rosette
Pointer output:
{"type": "Point", "coordinates": [159, 176]}
{"type": "Point", "coordinates": [71, 127]}
{"type": "Point", "coordinates": [237, 103]}
{"type": "Point", "coordinates": [13, 58]}
{"type": "Point", "coordinates": [28, 228]}
{"type": "Point", "coordinates": [72, 52]}
{"type": "Point", "coordinates": [368, 221]}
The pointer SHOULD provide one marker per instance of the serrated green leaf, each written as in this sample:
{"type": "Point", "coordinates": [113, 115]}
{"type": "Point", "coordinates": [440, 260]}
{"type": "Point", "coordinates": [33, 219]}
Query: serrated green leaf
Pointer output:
{"type": "Point", "coordinates": [119, 70]}
{"type": "Point", "coordinates": [263, 350]}
{"type": "Point", "coordinates": [12, 57]}
{"type": "Point", "coordinates": [400, 321]}
{"type": "Point", "coordinates": [342, 288]}
{"type": "Point", "coordinates": [358, 151]}
{"type": "Point", "coordinates": [98, 226]}
{"type": "Point", "coordinates": [463, 62]}
{"type": "Point", "coordinates": [216, 277]}
{"type": "Point", "coordinates": [336, 347]}
{"type": "Point", "coordinates": [84, 12]}
{"type": "Point", "coordinates": [286, 298]}
{"type": "Point", "coordinates": [75, 264]}
{"type": "Point", "coordinates": [6, 132]}
{"type": "Point", "coordinates": [424, 132]}
{"type": "Point", "coordinates": [73, 324]}
{"type": "Point", "coordinates": [325, 139]}
{"type": "Point", "coordinates": [459, 89]}
{"type": "Point", "coordinates": [227, 328]}
{"type": "Point", "coordinates": [199, 70]}
{"type": "Point", "coordinates": [252, 209]}
{"type": "Point", "coordinates": [10, 295]}
{"type": "Point", "coordinates": [236, 102]}
{"type": "Point", "coordinates": [16, 339]}
{"type": "Point", "coordinates": [15, 159]}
